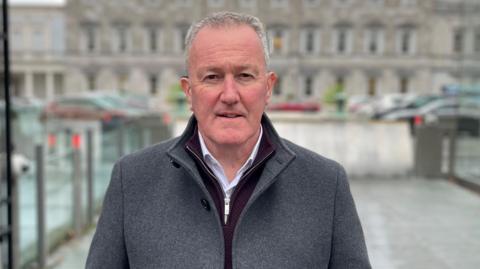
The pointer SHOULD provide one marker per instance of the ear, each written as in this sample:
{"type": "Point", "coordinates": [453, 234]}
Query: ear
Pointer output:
{"type": "Point", "coordinates": [187, 89]}
{"type": "Point", "coordinates": [271, 80]}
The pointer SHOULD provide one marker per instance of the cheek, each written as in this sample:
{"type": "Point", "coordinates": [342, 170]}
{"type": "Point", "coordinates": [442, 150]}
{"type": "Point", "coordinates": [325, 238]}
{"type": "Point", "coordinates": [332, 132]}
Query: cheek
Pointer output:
{"type": "Point", "coordinates": [202, 103]}
{"type": "Point", "coordinates": [258, 100]}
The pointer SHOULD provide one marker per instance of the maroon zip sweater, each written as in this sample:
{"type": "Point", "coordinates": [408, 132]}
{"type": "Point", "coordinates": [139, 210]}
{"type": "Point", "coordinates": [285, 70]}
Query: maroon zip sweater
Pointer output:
{"type": "Point", "coordinates": [242, 191]}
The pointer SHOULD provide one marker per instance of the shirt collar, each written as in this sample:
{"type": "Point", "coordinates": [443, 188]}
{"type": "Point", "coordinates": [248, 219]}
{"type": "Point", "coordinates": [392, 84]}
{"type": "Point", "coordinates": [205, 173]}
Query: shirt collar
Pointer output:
{"type": "Point", "coordinates": [207, 156]}
{"type": "Point", "coordinates": [218, 170]}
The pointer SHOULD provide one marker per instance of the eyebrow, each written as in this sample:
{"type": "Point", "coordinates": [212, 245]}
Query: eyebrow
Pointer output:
{"type": "Point", "coordinates": [217, 69]}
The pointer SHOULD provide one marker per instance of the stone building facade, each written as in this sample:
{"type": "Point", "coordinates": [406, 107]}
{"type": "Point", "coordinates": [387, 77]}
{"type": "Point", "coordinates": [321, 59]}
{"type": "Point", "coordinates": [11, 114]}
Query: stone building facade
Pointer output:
{"type": "Point", "coordinates": [37, 49]}
{"type": "Point", "coordinates": [369, 47]}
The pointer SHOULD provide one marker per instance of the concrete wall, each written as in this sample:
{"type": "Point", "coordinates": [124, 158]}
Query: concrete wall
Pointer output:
{"type": "Point", "coordinates": [363, 148]}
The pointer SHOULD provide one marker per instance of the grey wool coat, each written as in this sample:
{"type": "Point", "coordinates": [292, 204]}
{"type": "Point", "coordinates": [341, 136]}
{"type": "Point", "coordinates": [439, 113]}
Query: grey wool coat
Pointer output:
{"type": "Point", "coordinates": [301, 214]}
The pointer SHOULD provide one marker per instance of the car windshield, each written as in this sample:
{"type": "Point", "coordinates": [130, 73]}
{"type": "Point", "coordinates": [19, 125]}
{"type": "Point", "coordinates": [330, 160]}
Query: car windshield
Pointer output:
{"type": "Point", "coordinates": [112, 102]}
{"type": "Point", "coordinates": [108, 104]}
{"type": "Point", "coordinates": [421, 101]}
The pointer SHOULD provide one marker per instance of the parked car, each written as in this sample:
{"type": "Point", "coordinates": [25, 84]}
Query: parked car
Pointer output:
{"type": "Point", "coordinates": [466, 117]}
{"type": "Point", "coordinates": [435, 108]}
{"type": "Point", "coordinates": [361, 105]}
{"type": "Point", "coordinates": [412, 103]}
{"type": "Point", "coordinates": [295, 106]}
{"type": "Point", "coordinates": [391, 101]}
{"type": "Point", "coordinates": [87, 108]}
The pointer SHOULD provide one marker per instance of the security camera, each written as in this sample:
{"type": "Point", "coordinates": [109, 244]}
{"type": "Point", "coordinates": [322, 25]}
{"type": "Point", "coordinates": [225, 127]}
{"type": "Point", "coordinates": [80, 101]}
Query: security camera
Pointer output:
{"type": "Point", "coordinates": [20, 164]}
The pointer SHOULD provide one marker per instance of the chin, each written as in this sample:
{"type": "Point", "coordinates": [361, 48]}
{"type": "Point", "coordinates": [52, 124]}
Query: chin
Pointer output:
{"type": "Point", "coordinates": [231, 138]}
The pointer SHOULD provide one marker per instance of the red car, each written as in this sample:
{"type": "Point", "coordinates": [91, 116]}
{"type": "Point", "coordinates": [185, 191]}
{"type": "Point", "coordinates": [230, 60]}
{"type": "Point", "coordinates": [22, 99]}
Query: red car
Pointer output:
{"type": "Point", "coordinates": [294, 106]}
{"type": "Point", "coordinates": [85, 108]}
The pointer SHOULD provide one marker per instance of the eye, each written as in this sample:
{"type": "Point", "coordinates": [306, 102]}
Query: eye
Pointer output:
{"type": "Point", "coordinates": [245, 76]}
{"type": "Point", "coordinates": [211, 78]}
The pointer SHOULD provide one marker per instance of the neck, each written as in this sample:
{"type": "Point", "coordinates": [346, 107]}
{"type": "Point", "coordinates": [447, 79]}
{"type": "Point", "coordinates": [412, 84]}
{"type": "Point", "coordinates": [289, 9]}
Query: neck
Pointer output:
{"type": "Point", "coordinates": [232, 157]}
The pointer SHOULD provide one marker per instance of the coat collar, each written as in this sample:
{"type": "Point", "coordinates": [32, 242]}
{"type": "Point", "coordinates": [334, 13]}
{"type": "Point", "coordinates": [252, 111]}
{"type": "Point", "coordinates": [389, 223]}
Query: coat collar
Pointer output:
{"type": "Point", "coordinates": [282, 157]}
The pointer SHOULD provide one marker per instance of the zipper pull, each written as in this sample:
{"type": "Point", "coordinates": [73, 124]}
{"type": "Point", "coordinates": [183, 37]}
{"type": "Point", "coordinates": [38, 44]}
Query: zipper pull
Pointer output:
{"type": "Point", "coordinates": [227, 209]}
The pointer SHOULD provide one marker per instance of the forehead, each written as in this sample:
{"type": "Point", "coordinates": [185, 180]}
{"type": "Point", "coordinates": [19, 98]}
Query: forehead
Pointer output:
{"type": "Point", "coordinates": [236, 43]}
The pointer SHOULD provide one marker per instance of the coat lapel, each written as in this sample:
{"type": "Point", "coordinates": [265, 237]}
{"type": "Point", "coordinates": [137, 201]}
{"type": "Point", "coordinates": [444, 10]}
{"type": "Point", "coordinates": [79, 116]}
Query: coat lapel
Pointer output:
{"type": "Point", "coordinates": [275, 165]}
{"type": "Point", "coordinates": [178, 154]}
{"type": "Point", "coordinates": [283, 156]}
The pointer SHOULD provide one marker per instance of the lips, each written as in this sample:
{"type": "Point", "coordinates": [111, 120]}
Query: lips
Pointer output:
{"type": "Point", "coordinates": [229, 115]}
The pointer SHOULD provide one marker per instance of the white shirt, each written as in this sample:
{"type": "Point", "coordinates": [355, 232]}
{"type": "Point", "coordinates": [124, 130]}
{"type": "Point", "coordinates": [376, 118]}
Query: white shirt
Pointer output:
{"type": "Point", "coordinates": [218, 170]}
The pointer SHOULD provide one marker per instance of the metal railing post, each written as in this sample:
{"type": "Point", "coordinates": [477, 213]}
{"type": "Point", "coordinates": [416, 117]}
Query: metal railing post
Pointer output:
{"type": "Point", "coordinates": [77, 189]}
{"type": "Point", "coordinates": [90, 177]}
{"type": "Point", "coordinates": [41, 227]}
{"type": "Point", "coordinates": [15, 228]}
{"type": "Point", "coordinates": [12, 215]}
{"type": "Point", "coordinates": [453, 151]}
{"type": "Point", "coordinates": [121, 139]}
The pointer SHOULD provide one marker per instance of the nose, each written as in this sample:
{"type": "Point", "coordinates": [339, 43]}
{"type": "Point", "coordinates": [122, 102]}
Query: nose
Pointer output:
{"type": "Point", "coordinates": [229, 93]}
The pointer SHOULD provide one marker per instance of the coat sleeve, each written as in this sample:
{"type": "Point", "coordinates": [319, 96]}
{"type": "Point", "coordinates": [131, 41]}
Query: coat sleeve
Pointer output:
{"type": "Point", "coordinates": [108, 245]}
{"type": "Point", "coordinates": [348, 244]}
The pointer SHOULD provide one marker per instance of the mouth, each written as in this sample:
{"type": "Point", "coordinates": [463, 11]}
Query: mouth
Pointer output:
{"type": "Point", "coordinates": [229, 115]}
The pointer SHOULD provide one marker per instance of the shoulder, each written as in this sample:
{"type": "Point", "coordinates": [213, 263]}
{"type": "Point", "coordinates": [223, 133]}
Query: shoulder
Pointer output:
{"type": "Point", "coordinates": [152, 155]}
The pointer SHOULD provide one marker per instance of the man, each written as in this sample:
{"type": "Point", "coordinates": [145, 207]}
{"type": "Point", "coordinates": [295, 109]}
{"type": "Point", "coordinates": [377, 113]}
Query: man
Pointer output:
{"type": "Point", "coordinates": [229, 192]}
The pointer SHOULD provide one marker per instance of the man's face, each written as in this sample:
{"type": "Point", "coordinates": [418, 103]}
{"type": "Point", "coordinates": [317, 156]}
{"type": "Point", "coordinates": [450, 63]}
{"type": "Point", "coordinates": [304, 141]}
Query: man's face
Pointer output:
{"type": "Point", "coordinates": [228, 85]}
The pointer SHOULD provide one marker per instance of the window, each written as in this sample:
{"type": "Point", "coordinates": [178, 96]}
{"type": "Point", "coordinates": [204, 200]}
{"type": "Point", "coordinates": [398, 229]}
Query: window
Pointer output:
{"type": "Point", "coordinates": [216, 3]}
{"type": "Point", "coordinates": [278, 41]}
{"type": "Point", "coordinates": [91, 82]}
{"type": "Point", "coordinates": [408, 3]}
{"type": "Point", "coordinates": [122, 80]}
{"type": "Point", "coordinates": [374, 40]}
{"type": "Point", "coordinates": [40, 85]}
{"type": "Point", "coordinates": [342, 40]}
{"type": "Point", "coordinates": [91, 39]}
{"type": "Point", "coordinates": [404, 81]}
{"type": "Point", "coordinates": [458, 36]}
{"type": "Point", "coordinates": [340, 82]}
{"type": "Point", "coordinates": [181, 34]}
{"type": "Point", "coordinates": [38, 40]}
{"type": "Point", "coordinates": [89, 36]}
{"type": "Point", "coordinates": [310, 40]}
{"type": "Point", "coordinates": [152, 3]}
{"type": "Point", "coordinates": [376, 2]}
{"type": "Point", "coordinates": [342, 2]}
{"type": "Point", "coordinates": [406, 40]}
{"type": "Point", "coordinates": [476, 45]}
{"type": "Point", "coordinates": [152, 38]}
{"type": "Point", "coordinates": [248, 3]}
{"type": "Point", "coordinates": [58, 84]}
{"type": "Point", "coordinates": [18, 39]}
{"type": "Point", "coordinates": [308, 86]}
{"type": "Point", "coordinates": [153, 80]}
{"type": "Point", "coordinates": [372, 86]}
{"type": "Point", "coordinates": [183, 3]}
{"type": "Point", "coordinates": [311, 3]}
{"type": "Point", "coordinates": [277, 89]}
{"type": "Point", "coordinates": [279, 3]}
{"type": "Point", "coordinates": [120, 38]}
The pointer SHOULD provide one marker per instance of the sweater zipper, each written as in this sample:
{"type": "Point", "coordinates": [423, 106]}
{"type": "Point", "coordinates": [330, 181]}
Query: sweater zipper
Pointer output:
{"type": "Point", "coordinates": [226, 209]}
{"type": "Point", "coordinates": [228, 201]}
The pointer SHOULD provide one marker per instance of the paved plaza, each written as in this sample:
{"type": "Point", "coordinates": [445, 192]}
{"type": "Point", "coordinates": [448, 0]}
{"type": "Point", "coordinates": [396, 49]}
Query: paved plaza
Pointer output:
{"type": "Point", "coordinates": [409, 223]}
{"type": "Point", "coordinates": [419, 223]}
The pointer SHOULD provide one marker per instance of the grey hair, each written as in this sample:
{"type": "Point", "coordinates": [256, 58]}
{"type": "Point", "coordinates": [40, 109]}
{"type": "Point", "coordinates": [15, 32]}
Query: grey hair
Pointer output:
{"type": "Point", "coordinates": [226, 18]}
